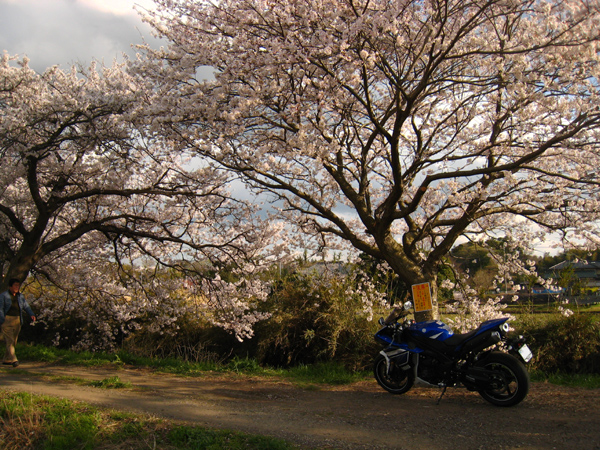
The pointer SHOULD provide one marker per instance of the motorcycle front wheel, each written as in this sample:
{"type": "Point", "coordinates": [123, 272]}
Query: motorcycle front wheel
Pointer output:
{"type": "Point", "coordinates": [509, 379]}
{"type": "Point", "coordinates": [395, 380]}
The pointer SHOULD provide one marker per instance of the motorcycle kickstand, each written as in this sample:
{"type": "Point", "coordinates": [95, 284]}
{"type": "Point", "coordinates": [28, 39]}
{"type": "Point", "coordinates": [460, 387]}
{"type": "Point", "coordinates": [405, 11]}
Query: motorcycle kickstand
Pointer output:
{"type": "Point", "coordinates": [442, 394]}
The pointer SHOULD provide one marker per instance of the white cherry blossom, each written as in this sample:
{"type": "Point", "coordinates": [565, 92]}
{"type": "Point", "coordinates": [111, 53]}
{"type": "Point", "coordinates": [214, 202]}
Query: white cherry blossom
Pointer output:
{"type": "Point", "coordinates": [427, 121]}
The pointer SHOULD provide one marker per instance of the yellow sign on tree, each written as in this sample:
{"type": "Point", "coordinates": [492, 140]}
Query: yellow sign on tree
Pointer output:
{"type": "Point", "coordinates": [421, 294]}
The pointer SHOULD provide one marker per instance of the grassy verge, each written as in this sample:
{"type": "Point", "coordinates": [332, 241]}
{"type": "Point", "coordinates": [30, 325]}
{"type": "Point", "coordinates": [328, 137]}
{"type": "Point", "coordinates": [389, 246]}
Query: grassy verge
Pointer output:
{"type": "Point", "coordinates": [38, 422]}
{"type": "Point", "coordinates": [308, 377]}
{"type": "Point", "coordinates": [311, 376]}
{"type": "Point", "coordinates": [549, 309]}
{"type": "Point", "coordinates": [587, 381]}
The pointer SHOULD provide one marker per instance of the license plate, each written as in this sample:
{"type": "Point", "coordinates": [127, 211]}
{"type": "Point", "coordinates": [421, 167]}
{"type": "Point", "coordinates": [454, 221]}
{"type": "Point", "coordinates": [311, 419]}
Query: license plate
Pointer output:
{"type": "Point", "coordinates": [525, 353]}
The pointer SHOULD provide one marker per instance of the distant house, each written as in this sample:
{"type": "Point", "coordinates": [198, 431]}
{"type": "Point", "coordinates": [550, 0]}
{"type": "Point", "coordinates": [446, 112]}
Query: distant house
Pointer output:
{"type": "Point", "coordinates": [587, 272]}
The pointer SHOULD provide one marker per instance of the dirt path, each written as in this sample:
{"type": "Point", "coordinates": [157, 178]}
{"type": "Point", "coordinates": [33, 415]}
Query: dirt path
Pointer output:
{"type": "Point", "coordinates": [361, 416]}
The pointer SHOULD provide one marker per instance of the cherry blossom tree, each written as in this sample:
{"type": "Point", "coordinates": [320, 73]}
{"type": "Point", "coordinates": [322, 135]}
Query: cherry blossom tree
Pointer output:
{"type": "Point", "coordinates": [85, 185]}
{"type": "Point", "coordinates": [395, 126]}
{"type": "Point", "coordinates": [97, 305]}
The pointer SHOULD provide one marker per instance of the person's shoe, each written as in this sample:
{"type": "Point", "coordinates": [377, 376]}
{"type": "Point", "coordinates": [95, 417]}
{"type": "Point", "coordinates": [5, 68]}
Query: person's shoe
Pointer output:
{"type": "Point", "coordinates": [7, 364]}
{"type": "Point", "coordinates": [15, 364]}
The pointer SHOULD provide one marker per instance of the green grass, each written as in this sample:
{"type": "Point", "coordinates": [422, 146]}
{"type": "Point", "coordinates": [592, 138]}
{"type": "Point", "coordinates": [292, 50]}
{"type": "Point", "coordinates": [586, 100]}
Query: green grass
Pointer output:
{"type": "Point", "coordinates": [106, 383]}
{"type": "Point", "coordinates": [324, 373]}
{"type": "Point", "coordinates": [549, 309]}
{"type": "Point", "coordinates": [46, 423]}
{"type": "Point", "coordinates": [305, 376]}
{"type": "Point", "coordinates": [111, 383]}
{"type": "Point", "coordinates": [330, 373]}
{"type": "Point", "coordinates": [587, 381]}
{"type": "Point", "coordinates": [200, 439]}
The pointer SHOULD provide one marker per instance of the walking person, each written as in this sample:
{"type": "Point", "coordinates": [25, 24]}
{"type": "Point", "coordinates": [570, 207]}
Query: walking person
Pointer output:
{"type": "Point", "coordinates": [12, 305]}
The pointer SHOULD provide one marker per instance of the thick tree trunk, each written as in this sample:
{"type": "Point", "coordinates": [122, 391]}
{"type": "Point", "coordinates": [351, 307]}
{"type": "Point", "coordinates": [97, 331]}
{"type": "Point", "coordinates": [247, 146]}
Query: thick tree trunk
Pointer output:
{"type": "Point", "coordinates": [412, 274]}
{"type": "Point", "coordinates": [432, 314]}
{"type": "Point", "coordinates": [20, 266]}
{"type": "Point", "coordinates": [16, 270]}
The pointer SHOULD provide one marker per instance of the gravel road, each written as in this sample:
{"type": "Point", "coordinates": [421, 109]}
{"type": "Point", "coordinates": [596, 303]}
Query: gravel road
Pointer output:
{"type": "Point", "coordinates": [360, 416]}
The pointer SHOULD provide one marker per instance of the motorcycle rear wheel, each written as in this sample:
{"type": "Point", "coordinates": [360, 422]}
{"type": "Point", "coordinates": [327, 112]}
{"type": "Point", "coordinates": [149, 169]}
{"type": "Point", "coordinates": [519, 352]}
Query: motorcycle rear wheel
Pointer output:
{"type": "Point", "coordinates": [396, 380]}
{"type": "Point", "coordinates": [510, 380]}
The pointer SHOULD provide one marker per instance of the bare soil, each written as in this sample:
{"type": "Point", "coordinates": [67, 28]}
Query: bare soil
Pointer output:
{"type": "Point", "coordinates": [359, 416]}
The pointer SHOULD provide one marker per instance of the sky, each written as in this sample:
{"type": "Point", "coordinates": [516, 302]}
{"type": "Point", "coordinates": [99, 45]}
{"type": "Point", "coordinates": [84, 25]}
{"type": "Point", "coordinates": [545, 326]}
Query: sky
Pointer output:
{"type": "Point", "coordinates": [65, 32]}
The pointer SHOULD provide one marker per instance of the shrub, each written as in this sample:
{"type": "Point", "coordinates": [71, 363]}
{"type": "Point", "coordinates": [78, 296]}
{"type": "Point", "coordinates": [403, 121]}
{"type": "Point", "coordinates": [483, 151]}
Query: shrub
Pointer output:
{"type": "Point", "coordinates": [564, 344]}
{"type": "Point", "coordinates": [317, 315]}
{"type": "Point", "coordinates": [195, 341]}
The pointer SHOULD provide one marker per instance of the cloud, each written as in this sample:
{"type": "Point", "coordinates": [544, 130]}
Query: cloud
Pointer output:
{"type": "Point", "coordinates": [67, 32]}
{"type": "Point", "coordinates": [120, 7]}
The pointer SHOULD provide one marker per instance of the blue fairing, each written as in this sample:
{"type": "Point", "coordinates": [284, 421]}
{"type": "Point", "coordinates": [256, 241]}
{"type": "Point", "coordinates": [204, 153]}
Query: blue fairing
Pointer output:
{"type": "Point", "coordinates": [489, 324]}
{"type": "Point", "coordinates": [385, 338]}
{"type": "Point", "coordinates": [433, 329]}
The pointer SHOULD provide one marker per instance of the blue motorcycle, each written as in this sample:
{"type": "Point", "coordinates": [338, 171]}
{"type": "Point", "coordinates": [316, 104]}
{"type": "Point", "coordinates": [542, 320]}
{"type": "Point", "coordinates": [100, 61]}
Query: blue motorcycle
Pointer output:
{"type": "Point", "coordinates": [430, 353]}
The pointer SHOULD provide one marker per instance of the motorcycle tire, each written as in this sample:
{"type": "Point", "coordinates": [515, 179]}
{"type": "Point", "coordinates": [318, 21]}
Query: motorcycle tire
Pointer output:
{"type": "Point", "coordinates": [396, 381]}
{"type": "Point", "coordinates": [510, 380]}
